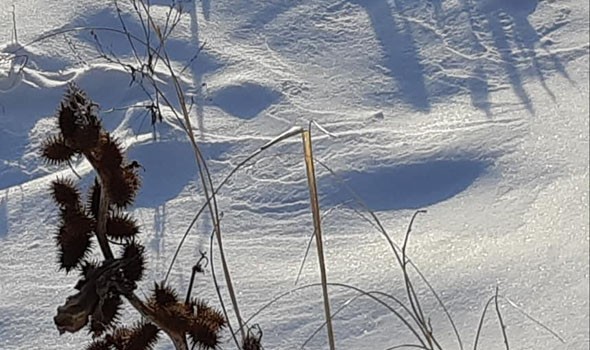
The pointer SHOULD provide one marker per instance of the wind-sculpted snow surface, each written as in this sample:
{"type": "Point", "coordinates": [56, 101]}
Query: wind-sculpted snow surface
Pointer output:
{"type": "Point", "coordinates": [476, 110]}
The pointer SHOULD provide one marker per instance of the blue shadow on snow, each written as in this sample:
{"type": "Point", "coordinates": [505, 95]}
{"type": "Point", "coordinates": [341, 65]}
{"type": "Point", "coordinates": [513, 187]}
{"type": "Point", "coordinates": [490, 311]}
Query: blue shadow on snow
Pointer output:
{"type": "Point", "coordinates": [169, 167]}
{"type": "Point", "coordinates": [402, 57]}
{"type": "Point", "coordinates": [408, 186]}
{"type": "Point", "coordinates": [245, 101]}
{"type": "Point", "coordinates": [3, 218]}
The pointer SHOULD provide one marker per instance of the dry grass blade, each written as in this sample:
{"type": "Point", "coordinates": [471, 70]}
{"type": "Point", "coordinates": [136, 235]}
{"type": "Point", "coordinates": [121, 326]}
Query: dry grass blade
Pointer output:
{"type": "Point", "coordinates": [309, 247]}
{"type": "Point", "coordinates": [531, 318]}
{"type": "Point", "coordinates": [373, 294]}
{"type": "Point", "coordinates": [315, 207]}
{"type": "Point", "coordinates": [394, 247]}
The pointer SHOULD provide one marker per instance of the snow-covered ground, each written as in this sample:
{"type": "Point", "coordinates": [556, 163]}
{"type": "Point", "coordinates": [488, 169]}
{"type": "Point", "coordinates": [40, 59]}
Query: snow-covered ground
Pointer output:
{"type": "Point", "coordinates": [476, 110]}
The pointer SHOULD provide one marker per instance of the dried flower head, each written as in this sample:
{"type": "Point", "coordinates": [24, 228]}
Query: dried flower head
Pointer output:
{"type": "Point", "coordinates": [65, 193]}
{"type": "Point", "coordinates": [135, 261]}
{"type": "Point", "coordinates": [206, 325]}
{"type": "Point", "coordinates": [121, 227]}
{"type": "Point", "coordinates": [123, 186]}
{"type": "Point", "coordinates": [55, 151]}
{"type": "Point", "coordinates": [208, 314]}
{"type": "Point", "coordinates": [109, 154]}
{"type": "Point", "coordinates": [74, 238]}
{"type": "Point", "coordinates": [143, 336]}
{"type": "Point", "coordinates": [203, 335]}
{"type": "Point", "coordinates": [163, 296]}
{"type": "Point", "coordinates": [93, 200]}
{"type": "Point", "coordinates": [77, 120]}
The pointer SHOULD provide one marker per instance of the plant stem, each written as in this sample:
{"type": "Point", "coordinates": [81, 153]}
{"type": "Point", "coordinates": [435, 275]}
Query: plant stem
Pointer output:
{"type": "Point", "coordinates": [315, 208]}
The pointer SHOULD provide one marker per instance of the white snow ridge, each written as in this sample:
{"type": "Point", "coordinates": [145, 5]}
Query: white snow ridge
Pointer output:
{"type": "Point", "coordinates": [474, 110]}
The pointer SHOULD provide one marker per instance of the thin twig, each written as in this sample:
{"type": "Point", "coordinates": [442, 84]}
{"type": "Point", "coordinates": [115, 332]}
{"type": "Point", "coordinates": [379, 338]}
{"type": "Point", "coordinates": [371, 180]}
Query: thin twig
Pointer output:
{"type": "Point", "coordinates": [204, 173]}
{"type": "Point", "coordinates": [404, 246]}
{"type": "Point", "coordinates": [324, 215]}
{"type": "Point", "coordinates": [218, 290]}
{"type": "Point", "coordinates": [128, 34]}
{"type": "Point", "coordinates": [197, 215]}
{"type": "Point", "coordinates": [198, 267]}
{"type": "Point", "coordinates": [502, 325]}
{"type": "Point", "coordinates": [14, 24]}
{"type": "Point", "coordinates": [480, 325]}
{"type": "Point", "coordinates": [539, 323]}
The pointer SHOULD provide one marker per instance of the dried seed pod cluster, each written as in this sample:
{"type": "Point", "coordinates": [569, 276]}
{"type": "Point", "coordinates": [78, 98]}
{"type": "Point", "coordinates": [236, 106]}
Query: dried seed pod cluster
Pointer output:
{"type": "Point", "coordinates": [81, 133]}
{"type": "Point", "coordinates": [103, 284]}
{"type": "Point", "coordinates": [201, 322]}
{"type": "Point", "coordinates": [142, 336]}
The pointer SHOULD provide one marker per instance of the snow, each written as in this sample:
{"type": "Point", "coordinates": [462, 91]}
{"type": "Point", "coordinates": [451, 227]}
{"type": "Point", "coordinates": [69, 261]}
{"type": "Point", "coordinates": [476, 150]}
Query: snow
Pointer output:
{"type": "Point", "coordinates": [476, 110]}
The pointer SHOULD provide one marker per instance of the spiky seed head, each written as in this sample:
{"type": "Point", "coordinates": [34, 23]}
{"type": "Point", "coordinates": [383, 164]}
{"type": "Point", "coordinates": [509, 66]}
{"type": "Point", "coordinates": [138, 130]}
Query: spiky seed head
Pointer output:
{"type": "Point", "coordinates": [135, 261]}
{"type": "Point", "coordinates": [76, 221]}
{"type": "Point", "coordinates": [123, 186]}
{"type": "Point", "coordinates": [55, 151]}
{"type": "Point", "coordinates": [202, 311]}
{"type": "Point", "coordinates": [101, 344]}
{"type": "Point", "coordinates": [93, 200]}
{"type": "Point", "coordinates": [206, 324]}
{"type": "Point", "coordinates": [66, 120]}
{"type": "Point", "coordinates": [78, 123]}
{"type": "Point", "coordinates": [109, 154]}
{"type": "Point", "coordinates": [176, 316]}
{"type": "Point", "coordinates": [121, 227]}
{"type": "Point", "coordinates": [163, 296]}
{"type": "Point", "coordinates": [144, 336]}
{"type": "Point", "coordinates": [203, 335]}
{"type": "Point", "coordinates": [74, 238]}
{"type": "Point", "coordinates": [72, 248]}
{"type": "Point", "coordinates": [65, 193]}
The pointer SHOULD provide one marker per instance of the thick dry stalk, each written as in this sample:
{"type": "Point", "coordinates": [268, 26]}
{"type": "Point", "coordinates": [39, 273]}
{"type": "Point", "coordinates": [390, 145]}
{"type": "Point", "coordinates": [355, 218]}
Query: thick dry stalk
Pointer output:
{"type": "Point", "coordinates": [178, 338]}
{"type": "Point", "coordinates": [315, 208]}
{"type": "Point", "coordinates": [101, 223]}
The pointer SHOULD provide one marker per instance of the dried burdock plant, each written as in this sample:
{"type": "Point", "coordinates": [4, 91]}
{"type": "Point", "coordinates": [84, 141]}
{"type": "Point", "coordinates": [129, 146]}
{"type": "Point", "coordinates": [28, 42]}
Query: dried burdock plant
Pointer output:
{"type": "Point", "coordinates": [103, 285]}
